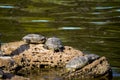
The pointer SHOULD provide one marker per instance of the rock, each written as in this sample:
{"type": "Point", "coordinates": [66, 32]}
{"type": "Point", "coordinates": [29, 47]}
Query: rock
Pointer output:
{"type": "Point", "coordinates": [1, 73]}
{"type": "Point", "coordinates": [34, 38]}
{"type": "Point", "coordinates": [18, 47]}
{"type": "Point", "coordinates": [10, 76]}
{"type": "Point", "coordinates": [36, 56]}
{"type": "Point", "coordinates": [19, 78]}
{"type": "Point", "coordinates": [7, 63]}
{"type": "Point", "coordinates": [26, 57]}
{"type": "Point", "coordinates": [54, 44]}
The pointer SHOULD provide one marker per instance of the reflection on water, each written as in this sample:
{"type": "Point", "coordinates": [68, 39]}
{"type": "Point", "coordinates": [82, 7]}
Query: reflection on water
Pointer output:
{"type": "Point", "coordinates": [96, 13]}
{"type": "Point", "coordinates": [106, 7]}
{"type": "Point", "coordinates": [40, 21]}
{"type": "Point", "coordinates": [118, 10]}
{"type": "Point", "coordinates": [70, 28]}
{"type": "Point", "coordinates": [116, 71]}
{"type": "Point", "coordinates": [88, 26]}
{"type": "Point", "coordinates": [99, 23]}
{"type": "Point", "coordinates": [8, 7]}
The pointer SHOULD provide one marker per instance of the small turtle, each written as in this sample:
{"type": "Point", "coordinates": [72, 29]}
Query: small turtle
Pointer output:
{"type": "Point", "coordinates": [54, 44]}
{"type": "Point", "coordinates": [92, 57]}
{"type": "Point", "coordinates": [77, 63]}
{"type": "Point", "coordinates": [34, 38]}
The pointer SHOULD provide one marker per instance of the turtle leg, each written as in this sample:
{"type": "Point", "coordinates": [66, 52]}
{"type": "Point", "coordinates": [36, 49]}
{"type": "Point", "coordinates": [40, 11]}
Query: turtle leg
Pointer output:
{"type": "Point", "coordinates": [54, 50]}
{"type": "Point", "coordinates": [61, 49]}
{"type": "Point", "coordinates": [44, 46]}
{"type": "Point", "coordinates": [28, 41]}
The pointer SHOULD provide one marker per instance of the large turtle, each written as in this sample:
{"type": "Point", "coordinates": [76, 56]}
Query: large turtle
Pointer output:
{"type": "Point", "coordinates": [54, 44]}
{"type": "Point", "coordinates": [34, 38]}
{"type": "Point", "coordinates": [80, 61]}
{"type": "Point", "coordinates": [76, 63]}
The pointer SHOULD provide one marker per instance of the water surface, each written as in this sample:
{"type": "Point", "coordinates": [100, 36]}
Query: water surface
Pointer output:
{"type": "Point", "coordinates": [90, 26]}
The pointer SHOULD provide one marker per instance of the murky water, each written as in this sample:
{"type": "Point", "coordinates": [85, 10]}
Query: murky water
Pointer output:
{"type": "Point", "coordinates": [90, 26]}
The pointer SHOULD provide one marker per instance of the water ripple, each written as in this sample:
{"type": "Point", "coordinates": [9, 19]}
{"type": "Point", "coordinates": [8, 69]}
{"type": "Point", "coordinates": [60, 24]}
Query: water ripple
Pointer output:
{"type": "Point", "coordinates": [118, 10]}
{"type": "Point", "coordinates": [115, 73]}
{"type": "Point", "coordinates": [99, 23]}
{"type": "Point", "coordinates": [96, 13]}
{"type": "Point", "coordinates": [40, 21]}
{"type": "Point", "coordinates": [101, 7]}
{"type": "Point", "coordinates": [70, 28]}
{"type": "Point", "coordinates": [7, 7]}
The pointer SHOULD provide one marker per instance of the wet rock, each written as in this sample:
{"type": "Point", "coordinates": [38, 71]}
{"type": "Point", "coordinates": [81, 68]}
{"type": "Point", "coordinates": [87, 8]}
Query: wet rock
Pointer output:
{"type": "Point", "coordinates": [9, 76]}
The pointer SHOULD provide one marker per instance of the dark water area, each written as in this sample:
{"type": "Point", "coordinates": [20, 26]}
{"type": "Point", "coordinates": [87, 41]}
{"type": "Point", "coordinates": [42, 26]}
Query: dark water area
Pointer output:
{"type": "Point", "coordinates": [91, 26]}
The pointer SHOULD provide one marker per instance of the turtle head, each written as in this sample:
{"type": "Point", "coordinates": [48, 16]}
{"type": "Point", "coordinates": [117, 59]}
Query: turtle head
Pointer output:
{"type": "Point", "coordinates": [42, 39]}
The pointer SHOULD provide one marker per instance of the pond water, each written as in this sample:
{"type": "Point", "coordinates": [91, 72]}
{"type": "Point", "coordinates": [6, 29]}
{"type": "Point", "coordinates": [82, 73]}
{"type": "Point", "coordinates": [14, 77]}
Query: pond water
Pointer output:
{"type": "Point", "coordinates": [87, 25]}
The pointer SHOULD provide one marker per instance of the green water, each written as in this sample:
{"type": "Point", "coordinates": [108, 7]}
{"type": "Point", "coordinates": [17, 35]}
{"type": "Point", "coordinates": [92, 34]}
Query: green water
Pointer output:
{"type": "Point", "coordinates": [91, 26]}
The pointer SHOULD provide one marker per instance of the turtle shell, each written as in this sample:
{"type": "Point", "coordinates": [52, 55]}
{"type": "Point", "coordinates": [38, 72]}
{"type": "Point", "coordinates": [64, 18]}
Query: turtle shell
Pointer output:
{"type": "Point", "coordinates": [54, 43]}
{"type": "Point", "coordinates": [34, 38]}
{"type": "Point", "coordinates": [77, 62]}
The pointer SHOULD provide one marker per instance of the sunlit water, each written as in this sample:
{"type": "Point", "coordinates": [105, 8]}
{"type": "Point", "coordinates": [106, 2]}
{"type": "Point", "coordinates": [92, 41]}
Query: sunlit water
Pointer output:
{"type": "Point", "coordinates": [88, 26]}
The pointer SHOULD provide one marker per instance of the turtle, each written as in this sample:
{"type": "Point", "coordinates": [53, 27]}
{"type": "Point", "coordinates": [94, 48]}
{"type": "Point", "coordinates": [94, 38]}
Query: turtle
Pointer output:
{"type": "Point", "coordinates": [54, 43]}
{"type": "Point", "coordinates": [92, 57]}
{"type": "Point", "coordinates": [34, 39]}
{"type": "Point", "coordinates": [76, 63]}
{"type": "Point", "coordinates": [80, 61]}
